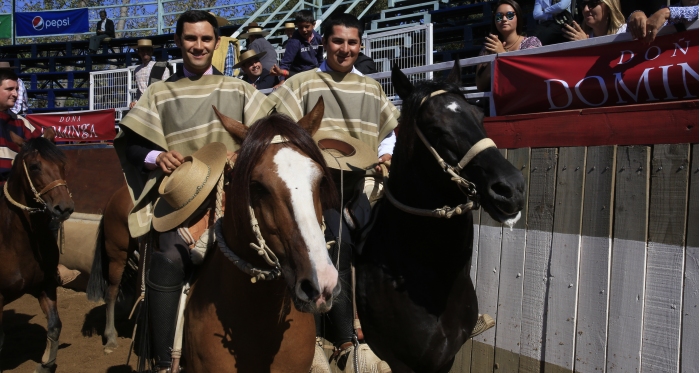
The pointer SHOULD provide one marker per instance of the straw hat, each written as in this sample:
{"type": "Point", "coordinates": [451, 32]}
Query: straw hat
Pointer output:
{"type": "Point", "coordinates": [183, 191]}
{"type": "Point", "coordinates": [5, 65]}
{"type": "Point", "coordinates": [253, 29]}
{"type": "Point", "coordinates": [221, 21]}
{"type": "Point", "coordinates": [288, 25]}
{"type": "Point", "coordinates": [247, 55]}
{"type": "Point", "coordinates": [344, 152]}
{"type": "Point", "coordinates": [144, 43]}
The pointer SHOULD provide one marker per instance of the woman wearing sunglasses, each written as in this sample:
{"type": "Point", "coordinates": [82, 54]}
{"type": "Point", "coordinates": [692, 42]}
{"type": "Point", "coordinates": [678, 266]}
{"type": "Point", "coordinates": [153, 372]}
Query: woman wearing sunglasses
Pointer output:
{"type": "Point", "coordinates": [601, 17]}
{"type": "Point", "coordinates": [506, 36]}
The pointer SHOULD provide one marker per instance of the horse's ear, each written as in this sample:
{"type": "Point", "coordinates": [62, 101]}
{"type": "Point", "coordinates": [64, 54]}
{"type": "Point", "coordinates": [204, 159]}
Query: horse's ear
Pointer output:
{"type": "Point", "coordinates": [402, 85]}
{"type": "Point", "coordinates": [237, 129]}
{"type": "Point", "coordinates": [455, 74]}
{"type": "Point", "coordinates": [49, 134]}
{"type": "Point", "coordinates": [16, 139]}
{"type": "Point", "coordinates": [312, 120]}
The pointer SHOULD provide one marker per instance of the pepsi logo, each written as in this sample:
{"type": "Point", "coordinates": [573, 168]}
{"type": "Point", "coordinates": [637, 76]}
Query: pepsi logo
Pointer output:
{"type": "Point", "coordinates": [38, 23]}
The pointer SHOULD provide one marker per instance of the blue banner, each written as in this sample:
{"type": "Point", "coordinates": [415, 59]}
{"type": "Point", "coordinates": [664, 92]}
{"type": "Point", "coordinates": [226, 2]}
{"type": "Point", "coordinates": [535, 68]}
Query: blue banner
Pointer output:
{"type": "Point", "coordinates": [52, 23]}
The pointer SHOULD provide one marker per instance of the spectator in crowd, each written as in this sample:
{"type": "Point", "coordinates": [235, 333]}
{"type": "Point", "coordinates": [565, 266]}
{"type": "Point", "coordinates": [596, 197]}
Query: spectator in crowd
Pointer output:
{"type": "Point", "coordinates": [289, 28]}
{"type": "Point", "coordinates": [645, 29]}
{"type": "Point", "coordinates": [365, 64]}
{"type": "Point", "coordinates": [304, 50]}
{"type": "Point", "coordinates": [9, 122]}
{"type": "Point", "coordinates": [227, 54]}
{"type": "Point", "coordinates": [149, 71]}
{"type": "Point", "coordinates": [548, 30]}
{"type": "Point", "coordinates": [506, 35]}
{"type": "Point", "coordinates": [601, 17]}
{"type": "Point", "coordinates": [253, 72]}
{"type": "Point", "coordinates": [257, 42]}
{"type": "Point", "coordinates": [22, 103]}
{"type": "Point", "coordinates": [104, 29]}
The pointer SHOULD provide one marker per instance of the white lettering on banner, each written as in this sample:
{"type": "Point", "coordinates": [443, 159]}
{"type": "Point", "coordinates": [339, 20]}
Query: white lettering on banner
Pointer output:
{"type": "Point", "coordinates": [79, 131]}
{"type": "Point", "coordinates": [70, 118]}
{"type": "Point", "coordinates": [566, 89]}
{"type": "Point", "coordinates": [693, 73]}
{"type": "Point", "coordinates": [664, 70]}
{"type": "Point", "coordinates": [678, 47]}
{"type": "Point", "coordinates": [602, 87]}
{"type": "Point", "coordinates": [622, 55]}
{"type": "Point", "coordinates": [635, 96]}
{"type": "Point", "coordinates": [658, 53]}
{"type": "Point", "coordinates": [58, 23]}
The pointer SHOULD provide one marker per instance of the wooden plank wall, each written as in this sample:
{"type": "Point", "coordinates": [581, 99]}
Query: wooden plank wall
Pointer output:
{"type": "Point", "coordinates": [601, 272]}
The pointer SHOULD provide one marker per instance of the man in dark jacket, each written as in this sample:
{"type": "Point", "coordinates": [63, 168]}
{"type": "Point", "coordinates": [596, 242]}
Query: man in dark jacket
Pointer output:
{"type": "Point", "coordinates": [304, 51]}
{"type": "Point", "coordinates": [104, 29]}
{"type": "Point", "coordinates": [253, 71]}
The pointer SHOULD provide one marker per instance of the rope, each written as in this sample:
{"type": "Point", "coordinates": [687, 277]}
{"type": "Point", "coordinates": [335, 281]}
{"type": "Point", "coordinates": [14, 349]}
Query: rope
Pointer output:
{"type": "Point", "coordinates": [247, 268]}
{"type": "Point", "coordinates": [444, 212]}
{"type": "Point", "coordinates": [31, 210]}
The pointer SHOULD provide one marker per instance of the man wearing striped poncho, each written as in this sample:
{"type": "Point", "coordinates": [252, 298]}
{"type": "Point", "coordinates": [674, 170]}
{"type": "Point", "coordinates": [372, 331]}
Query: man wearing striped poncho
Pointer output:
{"type": "Point", "coordinates": [174, 119]}
{"type": "Point", "coordinates": [357, 106]}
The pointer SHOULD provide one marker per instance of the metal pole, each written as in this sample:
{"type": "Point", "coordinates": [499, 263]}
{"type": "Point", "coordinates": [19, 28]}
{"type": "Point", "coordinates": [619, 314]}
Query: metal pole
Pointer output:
{"type": "Point", "coordinates": [160, 17]}
{"type": "Point", "coordinates": [12, 20]}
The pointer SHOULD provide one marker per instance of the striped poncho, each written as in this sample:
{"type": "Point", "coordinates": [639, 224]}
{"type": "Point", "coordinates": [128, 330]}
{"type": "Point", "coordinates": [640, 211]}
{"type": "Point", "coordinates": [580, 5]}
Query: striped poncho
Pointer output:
{"type": "Point", "coordinates": [178, 115]}
{"type": "Point", "coordinates": [354, 104]}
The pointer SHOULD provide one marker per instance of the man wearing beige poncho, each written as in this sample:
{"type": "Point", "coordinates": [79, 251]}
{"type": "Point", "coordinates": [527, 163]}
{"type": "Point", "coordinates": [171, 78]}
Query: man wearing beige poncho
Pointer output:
{"type": "Point", "coordinates": [173, 120]}
{"type": "Point", "coordinates": [355, 105]}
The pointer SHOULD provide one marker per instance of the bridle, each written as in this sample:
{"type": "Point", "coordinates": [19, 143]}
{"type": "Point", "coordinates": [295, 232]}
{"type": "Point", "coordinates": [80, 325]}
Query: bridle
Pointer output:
{"type": "Point", "coordinates": [261, 247]}
{"type": "Point", "coordinates": [37, 195]}
{"type": "Point", "coordinates": [466, 186]}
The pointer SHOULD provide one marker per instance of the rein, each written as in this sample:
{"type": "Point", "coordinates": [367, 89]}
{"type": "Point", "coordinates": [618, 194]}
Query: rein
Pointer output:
{"type": "Point", "coordinates": [466, 186]}
{"type": "Point", "coordinates": [37, 195]}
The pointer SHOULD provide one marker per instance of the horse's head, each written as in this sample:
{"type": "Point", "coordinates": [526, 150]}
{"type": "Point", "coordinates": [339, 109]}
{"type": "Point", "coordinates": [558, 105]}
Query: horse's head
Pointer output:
{"type": "Point", "coordinates": [281, 174]}
{"type": "Point", "coordinates": [454, 128]}
{"type": "Point", "coordinates": [39, 167]}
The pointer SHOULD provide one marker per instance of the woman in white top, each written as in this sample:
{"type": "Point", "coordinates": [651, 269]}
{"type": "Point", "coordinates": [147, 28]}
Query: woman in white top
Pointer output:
{"type": "Point", "coordinates": [601, 17]}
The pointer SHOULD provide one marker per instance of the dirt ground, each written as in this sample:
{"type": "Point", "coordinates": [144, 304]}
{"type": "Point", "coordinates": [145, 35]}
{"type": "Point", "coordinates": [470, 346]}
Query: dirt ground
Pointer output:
{"type": "Point", "coordinates": [80, 349]}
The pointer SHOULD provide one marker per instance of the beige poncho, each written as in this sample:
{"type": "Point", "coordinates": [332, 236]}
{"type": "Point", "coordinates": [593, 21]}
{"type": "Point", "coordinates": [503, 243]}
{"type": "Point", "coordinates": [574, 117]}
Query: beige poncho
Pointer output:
{"type": "Point", "coordinates": [354, 104]}
{"type": "Point", "coordinates": [179, 116]}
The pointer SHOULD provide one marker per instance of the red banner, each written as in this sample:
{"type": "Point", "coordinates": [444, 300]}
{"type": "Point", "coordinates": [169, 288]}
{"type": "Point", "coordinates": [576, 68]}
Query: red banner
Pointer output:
{"type": "Point", "coordinates": [97, 125]}
{"type": "Point", "coordinates": [603, 75]}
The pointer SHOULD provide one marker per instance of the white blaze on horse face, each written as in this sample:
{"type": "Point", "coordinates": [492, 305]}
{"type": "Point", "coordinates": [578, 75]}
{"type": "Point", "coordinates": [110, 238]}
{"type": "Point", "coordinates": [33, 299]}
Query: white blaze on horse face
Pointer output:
{"type": "Point", "coordinates": [299, 173]}
{"type": "Point", "coordinates": [452, 106]}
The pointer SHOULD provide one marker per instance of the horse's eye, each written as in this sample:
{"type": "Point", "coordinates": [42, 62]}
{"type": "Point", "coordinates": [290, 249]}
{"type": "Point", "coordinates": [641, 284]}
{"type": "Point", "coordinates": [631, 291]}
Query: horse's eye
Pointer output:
{"type": "Point", "coordinates": [258, 190]}
{"type": "Point", "coordinates": [34, 167]}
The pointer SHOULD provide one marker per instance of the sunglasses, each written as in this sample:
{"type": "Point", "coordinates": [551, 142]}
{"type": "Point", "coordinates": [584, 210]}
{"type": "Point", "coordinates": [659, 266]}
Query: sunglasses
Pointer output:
{"type": "Point", "coordinates": [590, 3]}
{"type": "Point", "coordinates": [508, 15]}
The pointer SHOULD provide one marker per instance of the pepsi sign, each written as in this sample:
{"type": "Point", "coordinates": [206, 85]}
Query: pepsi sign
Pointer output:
{"type": "Point", "coordinates": [52, 23]}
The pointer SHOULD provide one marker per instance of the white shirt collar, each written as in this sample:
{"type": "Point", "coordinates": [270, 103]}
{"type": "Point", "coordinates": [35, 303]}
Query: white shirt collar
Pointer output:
{"type": "Point", "coordinates": [324, 68]}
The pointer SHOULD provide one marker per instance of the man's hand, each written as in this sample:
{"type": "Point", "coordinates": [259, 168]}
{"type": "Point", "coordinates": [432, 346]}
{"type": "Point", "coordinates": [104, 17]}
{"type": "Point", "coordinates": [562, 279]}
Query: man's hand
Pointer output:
{"type": "Point", "coordinates": [385, 158]}
{"type": "Point", "coordinates": [169, 161]}
{"type": "Point", "coordinates": [132, 104]}
{"type": "Point", "coordinates": [277, 71]}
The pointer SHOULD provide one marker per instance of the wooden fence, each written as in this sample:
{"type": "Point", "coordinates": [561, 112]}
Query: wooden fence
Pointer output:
{"type": "Point", "coordinates": [601, 272]}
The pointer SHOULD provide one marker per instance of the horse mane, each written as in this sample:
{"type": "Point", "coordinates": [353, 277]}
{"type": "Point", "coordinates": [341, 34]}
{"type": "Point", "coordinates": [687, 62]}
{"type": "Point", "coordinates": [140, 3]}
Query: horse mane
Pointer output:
{"type": "Point", "coordinates": [259, 136]}
{"type": "Point", "coordinates": [410, 109]}
{"type": "Point", "coordinates": [46, 149]}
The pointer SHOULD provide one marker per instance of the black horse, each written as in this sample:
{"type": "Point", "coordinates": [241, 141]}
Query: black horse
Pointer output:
{"type": "Point", "coordinates": [416, 301]}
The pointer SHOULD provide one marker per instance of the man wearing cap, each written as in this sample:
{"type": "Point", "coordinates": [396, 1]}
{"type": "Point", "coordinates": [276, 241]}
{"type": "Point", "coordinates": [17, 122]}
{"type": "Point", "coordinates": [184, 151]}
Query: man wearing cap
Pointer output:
{"type": "Point", "coordinates": [355, 107]}
{"type": "Point", "coordinates": [253, 71]}
{"type": "Point", "coordinates": [257, 42]}
{"type": "Point", "coordinates": [145, 74]}
{"type": "Point", "coordinates": [304, 50]}
{"type": "Point", "coordinates": [172, 121]}
{"type": "Point", "coordinates": [21, 105]}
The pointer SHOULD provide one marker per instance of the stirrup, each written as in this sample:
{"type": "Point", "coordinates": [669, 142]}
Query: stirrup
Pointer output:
{"type": "Point", "coordinates": [368, 362]}
{"type": "Point", "coordinates": [319, 364]}
{"type": "Point", "coordinates": [483, 323]}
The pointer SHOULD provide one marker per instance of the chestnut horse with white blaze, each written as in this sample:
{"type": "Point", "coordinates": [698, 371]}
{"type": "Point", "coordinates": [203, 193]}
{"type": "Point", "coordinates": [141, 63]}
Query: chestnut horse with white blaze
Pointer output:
{"type": "Point", "coordinates": [35, 201]}
{"type": "Point", "coordinates": [233, 324]}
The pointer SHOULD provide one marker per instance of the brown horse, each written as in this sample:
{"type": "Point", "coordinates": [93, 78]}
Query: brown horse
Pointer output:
{"type": "Point", "coordinates": [112, 249]}
{"type": "Point", "coordinates": [34, 203]}
{"type": "Point", "coordinates": [234, 324]}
